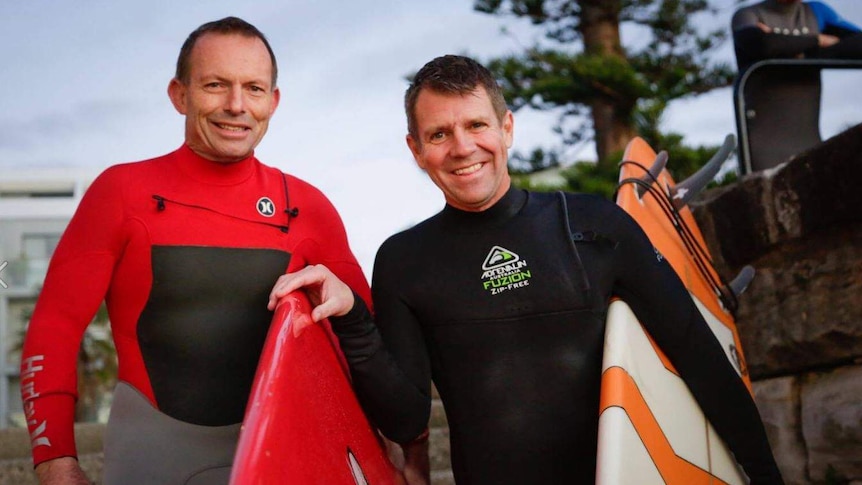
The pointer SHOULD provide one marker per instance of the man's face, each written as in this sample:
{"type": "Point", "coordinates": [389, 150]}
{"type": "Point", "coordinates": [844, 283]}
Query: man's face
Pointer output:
{"type": "Point", "coordinates": [229, 97]}
{"type": "Point", "coordinates": [463, 147]}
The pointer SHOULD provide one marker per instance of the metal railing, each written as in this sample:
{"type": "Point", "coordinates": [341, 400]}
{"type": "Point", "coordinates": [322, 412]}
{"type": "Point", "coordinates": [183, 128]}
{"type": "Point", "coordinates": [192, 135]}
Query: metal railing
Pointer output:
{"type": "Point", "coordinates": [741, 110]}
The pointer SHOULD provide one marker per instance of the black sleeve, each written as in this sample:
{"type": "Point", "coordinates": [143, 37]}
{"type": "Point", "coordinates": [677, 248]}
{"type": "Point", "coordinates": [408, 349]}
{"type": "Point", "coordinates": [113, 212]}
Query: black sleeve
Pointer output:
{"type": "Point", "coordinates": [388, 362]}
{"type": "Point", "coordinates": [646, 281]}
{"type": "Point", "coordinates": [849, 47]}
{"type": "Point", "coordinates": [757, 44]}
{"type": "Point", "coordinates": [752, 44]}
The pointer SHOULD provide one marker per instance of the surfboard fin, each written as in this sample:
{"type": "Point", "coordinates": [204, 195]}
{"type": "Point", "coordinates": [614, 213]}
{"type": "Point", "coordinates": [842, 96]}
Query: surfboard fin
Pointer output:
{"type": "Point", "coordinates": [690, 187]}
{"type": "Point", "coordinates": [653, 173]}
{"type": "Point", "coordinates": [742, 280]}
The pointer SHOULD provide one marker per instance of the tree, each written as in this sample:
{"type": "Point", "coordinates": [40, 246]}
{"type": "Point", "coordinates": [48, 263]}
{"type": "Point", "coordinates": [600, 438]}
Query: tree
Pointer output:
{"type": "Point", "coordinates": [582, 67]}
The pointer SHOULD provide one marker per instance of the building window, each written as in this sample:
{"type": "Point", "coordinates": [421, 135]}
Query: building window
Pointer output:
{"type": "Point", "coordinates": [38, 246]}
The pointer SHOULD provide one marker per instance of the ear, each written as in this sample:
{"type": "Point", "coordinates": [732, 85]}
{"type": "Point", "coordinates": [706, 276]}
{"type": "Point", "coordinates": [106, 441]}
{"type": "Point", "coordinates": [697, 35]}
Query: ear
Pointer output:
{"type": "Point", "coordinates": [276, 97]}
{"type": "Point", "coordinates": [177, 92]}
{"type": "Point", "coordinates": [509, 128]}
{"type": "Point", "coordinates": [416, 150]}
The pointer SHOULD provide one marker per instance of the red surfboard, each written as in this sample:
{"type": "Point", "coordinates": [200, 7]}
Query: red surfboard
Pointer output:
{"type": "Point", "coordinates": [303, 424]}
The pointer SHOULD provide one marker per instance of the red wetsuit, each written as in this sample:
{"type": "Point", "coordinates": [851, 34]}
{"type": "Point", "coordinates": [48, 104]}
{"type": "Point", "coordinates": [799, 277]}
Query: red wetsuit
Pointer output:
{"type": "Point", "coordinates": [185, 252]}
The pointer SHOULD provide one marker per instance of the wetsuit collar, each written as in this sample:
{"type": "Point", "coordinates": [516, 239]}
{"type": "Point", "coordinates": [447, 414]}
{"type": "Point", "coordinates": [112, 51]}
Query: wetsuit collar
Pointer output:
{"type": "Point", "coordinates": [215, 173]}
{"type": "Point", "coordinates": [783, 8]}
{"type": "Point", "coordinates": [505, 208]}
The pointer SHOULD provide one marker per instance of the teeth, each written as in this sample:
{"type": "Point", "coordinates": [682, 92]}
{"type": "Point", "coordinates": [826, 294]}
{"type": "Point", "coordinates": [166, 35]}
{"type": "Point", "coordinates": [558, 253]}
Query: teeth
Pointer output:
{"type": "Point", "coordinates": [468, 170]}
{"type": "Point", "coordinates": [231, 128]}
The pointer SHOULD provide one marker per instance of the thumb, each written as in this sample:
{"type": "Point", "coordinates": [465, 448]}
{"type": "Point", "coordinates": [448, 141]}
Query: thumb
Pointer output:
{"type": "Point", "coordinates": [323, 310]}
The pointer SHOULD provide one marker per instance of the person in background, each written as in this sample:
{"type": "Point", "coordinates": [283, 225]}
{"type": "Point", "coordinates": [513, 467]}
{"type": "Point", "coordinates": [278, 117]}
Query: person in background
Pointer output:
{"type": "Point", "coordinates": [788, 29]}
{"type": "Point", "coordinates": [501, 300]}
{"type": "Point", "coordinates": [778, 104]}
{"type": "Point", "coordinates": [184, 248]}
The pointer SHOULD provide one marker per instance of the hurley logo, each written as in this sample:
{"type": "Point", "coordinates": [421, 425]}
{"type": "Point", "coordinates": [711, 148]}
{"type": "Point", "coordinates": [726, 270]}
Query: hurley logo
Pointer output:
{"type": "Point", "coordinates": [504, 270]}
{"type": "Point", "coordinates": [266, 207]}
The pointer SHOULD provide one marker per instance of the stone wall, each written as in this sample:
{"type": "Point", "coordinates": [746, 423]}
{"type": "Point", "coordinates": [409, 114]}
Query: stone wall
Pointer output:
{"type": "Point", "coordinates": [16, 467]}
{"type": "Point", "coordinates": [800, 226]}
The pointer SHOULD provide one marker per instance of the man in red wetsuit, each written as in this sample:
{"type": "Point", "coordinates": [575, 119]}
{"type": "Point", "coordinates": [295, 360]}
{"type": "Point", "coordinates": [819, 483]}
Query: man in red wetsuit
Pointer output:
{"type": "Point", "coordinates": [184, 249]}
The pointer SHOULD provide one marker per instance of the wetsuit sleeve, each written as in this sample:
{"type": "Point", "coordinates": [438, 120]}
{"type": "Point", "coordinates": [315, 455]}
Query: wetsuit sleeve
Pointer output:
{"type": "Point", "coordinates": [753, 44]}
{"type": "Point", "coordinates": [327, 244]}
{"type": "Point", "coordinates": [831, 22]}
{"type": "Point", "coordinates": [78, 278]}
{"type": "Point", "coordinates": [388, 362]}
{"type": "Point", "coordinates": [645, 280]}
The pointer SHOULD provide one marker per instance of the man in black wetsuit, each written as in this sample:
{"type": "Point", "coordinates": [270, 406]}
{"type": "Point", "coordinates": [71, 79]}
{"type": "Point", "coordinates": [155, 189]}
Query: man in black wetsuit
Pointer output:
{"type": "Point", "coordinates": [493, 300]}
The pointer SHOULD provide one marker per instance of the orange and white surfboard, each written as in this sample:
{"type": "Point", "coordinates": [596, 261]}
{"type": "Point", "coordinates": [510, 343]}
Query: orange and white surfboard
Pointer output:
{"type": "Point", "coordinates": [651, 430]}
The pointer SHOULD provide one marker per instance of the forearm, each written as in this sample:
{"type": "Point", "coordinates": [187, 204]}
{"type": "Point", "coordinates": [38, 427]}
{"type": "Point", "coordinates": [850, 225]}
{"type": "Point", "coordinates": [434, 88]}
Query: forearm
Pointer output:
{"type": "Point", "coordinates": [61, 471]}
{"type": "Point", "coordinates": [396, 405]}
{"type": "Point", "coordinates": [754, 44]}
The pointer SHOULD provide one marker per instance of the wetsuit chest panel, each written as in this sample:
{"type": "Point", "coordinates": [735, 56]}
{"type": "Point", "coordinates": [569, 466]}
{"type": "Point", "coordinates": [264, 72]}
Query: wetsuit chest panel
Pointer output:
{"type": "Point", "coordinates": [203, 327]}
{"type": "Point", "coordinates": [492, 275]}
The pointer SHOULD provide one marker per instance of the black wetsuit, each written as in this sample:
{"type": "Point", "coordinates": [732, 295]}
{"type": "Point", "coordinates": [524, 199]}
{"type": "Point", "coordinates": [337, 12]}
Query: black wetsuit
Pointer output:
{"type": "Point", "coordinates": [505, 309]}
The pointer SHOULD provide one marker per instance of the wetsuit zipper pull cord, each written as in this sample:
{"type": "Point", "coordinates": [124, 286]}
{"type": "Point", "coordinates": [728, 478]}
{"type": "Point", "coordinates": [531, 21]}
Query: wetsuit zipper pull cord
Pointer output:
{"type": "Point", "coordinates": [160, 202]}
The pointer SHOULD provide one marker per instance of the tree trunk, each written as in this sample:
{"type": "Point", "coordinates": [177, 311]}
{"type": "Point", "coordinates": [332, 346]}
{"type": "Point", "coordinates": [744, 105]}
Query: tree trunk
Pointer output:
{"type": "Point", "coordinates": [600, 29]}
{"type": "Point", "coordinates": [612, 128]}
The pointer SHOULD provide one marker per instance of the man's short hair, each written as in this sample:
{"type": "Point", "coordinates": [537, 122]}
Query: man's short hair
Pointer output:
{"type": "Point", "coordinates": [225, 26]}
{"type": "Point", "coordinates": [452, 74]}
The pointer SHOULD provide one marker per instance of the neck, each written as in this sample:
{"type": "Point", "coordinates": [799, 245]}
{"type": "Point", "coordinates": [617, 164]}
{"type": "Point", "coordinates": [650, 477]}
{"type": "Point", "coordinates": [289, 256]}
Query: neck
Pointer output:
{"type": "Point", "coordinates": [212, 172]}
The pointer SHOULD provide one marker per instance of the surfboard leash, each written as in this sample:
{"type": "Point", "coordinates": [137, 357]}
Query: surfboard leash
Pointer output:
{"type": "Point", "coordinates": [701, 257]}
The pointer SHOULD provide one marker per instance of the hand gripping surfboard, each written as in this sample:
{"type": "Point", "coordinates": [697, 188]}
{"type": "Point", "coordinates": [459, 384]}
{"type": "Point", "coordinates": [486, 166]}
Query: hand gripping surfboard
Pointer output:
{"type": "Point", "coordinates": [651, 430]}
{"type": "Point", "coordinates": [303, 424]}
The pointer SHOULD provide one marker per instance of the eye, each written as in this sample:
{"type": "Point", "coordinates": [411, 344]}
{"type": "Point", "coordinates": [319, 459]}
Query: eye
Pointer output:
{"type": "Point", "coordinates": [478, 125]}
{"type": "Point", "coordinates": [437, 137]}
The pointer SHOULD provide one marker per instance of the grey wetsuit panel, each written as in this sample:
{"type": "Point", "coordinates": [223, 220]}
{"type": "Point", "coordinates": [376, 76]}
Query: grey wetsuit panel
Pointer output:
{"type": "Point", "coordinates": [146, 447]}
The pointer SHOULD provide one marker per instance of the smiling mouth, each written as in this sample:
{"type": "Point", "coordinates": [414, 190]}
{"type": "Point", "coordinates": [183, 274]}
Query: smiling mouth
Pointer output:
{"type": "Point", "coordinates": [468, 170]}
{"type": "Point", "coordinates": [230, 127]}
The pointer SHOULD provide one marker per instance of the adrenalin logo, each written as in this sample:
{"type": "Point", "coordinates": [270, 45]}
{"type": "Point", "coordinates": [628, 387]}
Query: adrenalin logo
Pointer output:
{"type": "Point", "coordinates": [504, 270]}
{"type": "Point", "coordinates": [499, 257]}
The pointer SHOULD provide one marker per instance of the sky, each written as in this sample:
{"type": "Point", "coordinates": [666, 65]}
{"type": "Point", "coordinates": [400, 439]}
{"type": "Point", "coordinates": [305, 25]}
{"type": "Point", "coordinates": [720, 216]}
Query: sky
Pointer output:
{"type": "Point", "coordinates": [84, 87]}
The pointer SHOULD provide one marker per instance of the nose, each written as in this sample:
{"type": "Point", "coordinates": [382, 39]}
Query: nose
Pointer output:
{"type": "Point", "coordinates": [235, 102]}
{"type": "Point", "coordinates": [463, 144]}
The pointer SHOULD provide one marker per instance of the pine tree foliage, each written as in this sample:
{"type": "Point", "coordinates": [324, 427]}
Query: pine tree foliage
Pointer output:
{"type": "Point", "coordinates": [581, 70]}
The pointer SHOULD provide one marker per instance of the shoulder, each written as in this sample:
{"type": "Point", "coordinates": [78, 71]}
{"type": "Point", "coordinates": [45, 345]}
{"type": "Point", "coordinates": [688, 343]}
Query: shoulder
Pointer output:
{"type": "Point", "coordinates": [600, 215]}
{"type": "Point", "coordinates": [745, 16]}
{"type": "Point", "coordinates": [122, 176]}
{"type": "Point", "coordinates": [411, 240]}
{"type": "Point", "coordinates": [303, 195]}
{"type": "Point", "coordinates": [592, 207]}
{"type": "Point", "coordinates": [822, 9]}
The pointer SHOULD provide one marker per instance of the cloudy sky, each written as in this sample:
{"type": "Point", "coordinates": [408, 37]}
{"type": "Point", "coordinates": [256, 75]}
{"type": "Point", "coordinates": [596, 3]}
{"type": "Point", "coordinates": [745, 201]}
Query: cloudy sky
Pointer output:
{"type": "Point", "coordinates": [84, 86]}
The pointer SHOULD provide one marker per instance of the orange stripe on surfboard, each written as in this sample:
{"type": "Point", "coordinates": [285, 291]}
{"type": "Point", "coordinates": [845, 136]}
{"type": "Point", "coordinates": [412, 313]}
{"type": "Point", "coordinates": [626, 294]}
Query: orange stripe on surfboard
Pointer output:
{"type": "Point", "coordinates": [648, 212]}
{"type": "Point", "coordinates": [620, 390]}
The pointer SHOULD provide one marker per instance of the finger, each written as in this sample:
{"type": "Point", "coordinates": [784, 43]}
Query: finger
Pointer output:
{"type": "Point", "coordinates": [291, 282]}
{"type": "Point", "coordinates": [278, 292]}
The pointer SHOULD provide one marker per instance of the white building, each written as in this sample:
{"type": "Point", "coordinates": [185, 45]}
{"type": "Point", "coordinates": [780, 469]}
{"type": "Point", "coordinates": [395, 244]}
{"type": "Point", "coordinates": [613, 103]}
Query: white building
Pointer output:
{"type": "Point", "coordinates": [35, 207]}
